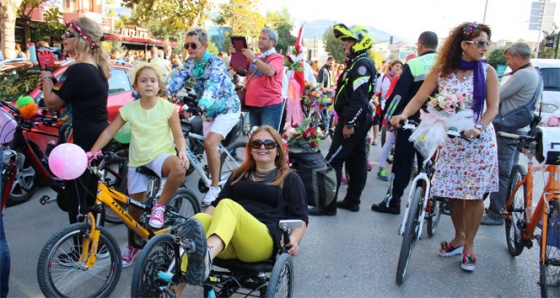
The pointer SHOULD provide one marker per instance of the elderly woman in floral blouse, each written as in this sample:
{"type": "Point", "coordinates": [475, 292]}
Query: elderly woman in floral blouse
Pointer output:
{"type": "Point", "coordinates": [217, 100]}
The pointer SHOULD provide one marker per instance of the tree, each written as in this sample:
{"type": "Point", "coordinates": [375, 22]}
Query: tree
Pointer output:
{"type": "Point", "coordinates": [8, 13]}
{"type": "Point", "coordinates": [25, 11]}
{"type": "Point", "coordinates": [243, 18]}
{"type": "Point", "coordinates": [334, 46]}
{"type": "Point", "coordinates": [497, 57]}
{"type": "Point", "coordinates": [545, 52]}
{"type": "Point", "coordinates": [168, 17]}
{"type": "Point", "coordinates": [281, 21]}
{"type": "Point", "coordinates": [51, 27]}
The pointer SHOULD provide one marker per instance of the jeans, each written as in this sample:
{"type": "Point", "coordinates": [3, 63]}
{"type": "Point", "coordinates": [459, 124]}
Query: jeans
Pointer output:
{"type": "Point", "coordinates": [507, 157]}
{"type": "Point", "coordinates": [269, 115]}
{"type": "Point", "coordinates": [4, 250]}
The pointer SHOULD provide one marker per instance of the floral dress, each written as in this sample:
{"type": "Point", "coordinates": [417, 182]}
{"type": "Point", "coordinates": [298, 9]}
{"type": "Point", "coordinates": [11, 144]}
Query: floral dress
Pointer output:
{"type": "Point", "coordinates": [466, 170]}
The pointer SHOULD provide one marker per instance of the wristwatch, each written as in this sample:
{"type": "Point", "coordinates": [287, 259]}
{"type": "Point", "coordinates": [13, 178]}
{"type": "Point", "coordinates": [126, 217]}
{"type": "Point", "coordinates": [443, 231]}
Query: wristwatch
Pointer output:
{"type": "Point", "coordinates": [255, 60]}
{"type": "Point", "coordinates": [480, 126]}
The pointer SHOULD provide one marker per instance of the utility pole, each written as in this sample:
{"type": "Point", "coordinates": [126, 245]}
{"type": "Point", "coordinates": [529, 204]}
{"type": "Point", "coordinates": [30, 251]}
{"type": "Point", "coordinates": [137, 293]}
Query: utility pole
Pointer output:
{"type": "Point", "coordinates": [485, 8]}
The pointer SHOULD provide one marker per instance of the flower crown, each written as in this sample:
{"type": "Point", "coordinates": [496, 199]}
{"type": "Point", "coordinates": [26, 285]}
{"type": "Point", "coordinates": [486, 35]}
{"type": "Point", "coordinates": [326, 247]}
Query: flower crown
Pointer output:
{"type": "Point", "coordinates": [469, 28]}
{"type": "Point", "coordinates": [81, 32]}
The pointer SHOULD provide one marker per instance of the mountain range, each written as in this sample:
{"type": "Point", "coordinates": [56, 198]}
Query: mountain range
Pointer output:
{"type": "Point", "coordinates": [318, 28]}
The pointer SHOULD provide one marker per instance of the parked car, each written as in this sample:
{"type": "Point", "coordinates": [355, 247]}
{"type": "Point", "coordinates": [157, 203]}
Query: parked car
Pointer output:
{"type": "Point", "coordinates": [19, 77]}
{"type": "Point", "coordinates": [550, 72]}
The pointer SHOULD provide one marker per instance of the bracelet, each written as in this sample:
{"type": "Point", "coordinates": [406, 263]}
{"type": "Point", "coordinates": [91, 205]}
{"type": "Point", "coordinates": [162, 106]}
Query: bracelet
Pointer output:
{"type": "Point", "coordinates": [47, 77]}
{"type": "Point", "coordinates": [294, 239]}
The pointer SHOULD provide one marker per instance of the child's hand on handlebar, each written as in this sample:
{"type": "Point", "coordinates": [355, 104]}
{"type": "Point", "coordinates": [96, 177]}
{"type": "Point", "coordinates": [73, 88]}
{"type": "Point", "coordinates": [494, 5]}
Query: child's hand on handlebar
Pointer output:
{"type": "Point", "coordinates": [397, 120]}
{"type": "Point", "coordinates": [91, 156]}
{"type": "Point", "coordinates": [184, 160]}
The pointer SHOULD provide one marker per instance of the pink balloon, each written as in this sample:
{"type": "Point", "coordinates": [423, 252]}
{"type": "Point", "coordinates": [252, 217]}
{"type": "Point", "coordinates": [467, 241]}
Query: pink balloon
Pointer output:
{"type": "Point", "coordinates": [67, 161]}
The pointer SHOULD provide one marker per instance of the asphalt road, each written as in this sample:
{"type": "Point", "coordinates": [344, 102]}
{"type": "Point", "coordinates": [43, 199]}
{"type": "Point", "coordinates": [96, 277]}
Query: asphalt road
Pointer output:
{"type": "Point", "coordinates": [347, 255]}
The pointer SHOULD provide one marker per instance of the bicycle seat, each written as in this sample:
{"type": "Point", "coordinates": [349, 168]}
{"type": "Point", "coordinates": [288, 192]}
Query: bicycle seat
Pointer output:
{"type": "Point", "coordinates": [147, 172]}
{"type": "Point", "coordinates": [235, 265]}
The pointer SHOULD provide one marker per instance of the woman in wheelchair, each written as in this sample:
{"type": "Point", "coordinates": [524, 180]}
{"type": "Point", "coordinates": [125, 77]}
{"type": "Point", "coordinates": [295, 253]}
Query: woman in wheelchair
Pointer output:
{"type": "Point", "coordinates": [242, 223]}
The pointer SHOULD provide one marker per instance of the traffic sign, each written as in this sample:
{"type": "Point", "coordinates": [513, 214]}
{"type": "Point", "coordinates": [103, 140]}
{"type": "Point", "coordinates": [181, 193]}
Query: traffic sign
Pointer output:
{"type": "Point", "coordinates": [542, 16]}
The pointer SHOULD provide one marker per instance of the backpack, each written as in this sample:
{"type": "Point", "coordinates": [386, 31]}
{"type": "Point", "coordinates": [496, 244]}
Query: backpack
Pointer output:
{"type": "Point", "coordinates": [520, 117]}
{"type": "Point", "coordinates": [318, 177]}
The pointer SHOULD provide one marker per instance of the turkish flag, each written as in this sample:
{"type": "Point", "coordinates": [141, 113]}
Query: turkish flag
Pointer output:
{"type": "Point", "coordinates": [298, 75]}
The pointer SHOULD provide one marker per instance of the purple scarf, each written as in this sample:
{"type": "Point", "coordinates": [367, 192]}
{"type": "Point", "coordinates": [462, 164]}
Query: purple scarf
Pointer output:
{"type": "Point", "coordinates": [479, 88]}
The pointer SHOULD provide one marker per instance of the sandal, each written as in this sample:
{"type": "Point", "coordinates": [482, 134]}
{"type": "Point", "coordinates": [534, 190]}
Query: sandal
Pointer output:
{"type": "Point", "coordinates": [468, 263]}
{"type": "Point", "coordinates": [448, 250]}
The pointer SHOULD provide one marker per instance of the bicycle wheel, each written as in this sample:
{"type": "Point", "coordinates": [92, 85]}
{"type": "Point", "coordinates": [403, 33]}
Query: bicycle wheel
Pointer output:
{"type": "Point", "coordinates": [410, 233]}
{"type": "Point", "coordinates": [227, 165]}
{"type": "Point", "coordinates": [515, 223]}
{"type": "Point", "coordinates": [550, 261]}
{"type": "Point", "coordinates": [434, 216]}
{"type": "Point", "coordinates": [61, 274]}
{"type": "Point", "coordinates": [184, 202]}
{"type": "Point", "coordinates": [117, 176]}
{"type": "Point", "coordinates": [156, 257]}
{"type": "Point", "coordinates": [280, 283]}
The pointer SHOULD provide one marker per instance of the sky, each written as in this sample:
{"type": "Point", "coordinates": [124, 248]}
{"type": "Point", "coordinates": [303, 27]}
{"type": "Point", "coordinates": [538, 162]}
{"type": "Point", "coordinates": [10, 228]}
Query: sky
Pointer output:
{"type": "Point", "coordinates": [508, 19]}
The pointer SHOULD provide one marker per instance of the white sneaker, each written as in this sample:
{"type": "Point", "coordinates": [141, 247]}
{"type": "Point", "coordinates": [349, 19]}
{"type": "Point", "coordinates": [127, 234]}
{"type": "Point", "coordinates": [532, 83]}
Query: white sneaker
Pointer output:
{"type": "Point", "coordinates": [211, 195]}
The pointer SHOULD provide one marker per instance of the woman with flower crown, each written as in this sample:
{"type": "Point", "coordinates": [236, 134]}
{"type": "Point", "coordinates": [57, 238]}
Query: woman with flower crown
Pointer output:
{"type": "Point", "coordinates": [80, 95]}
{"type": "Point", "coordinates": [467, 167]}
{"type": "Point", "coordinates": [217, 99]}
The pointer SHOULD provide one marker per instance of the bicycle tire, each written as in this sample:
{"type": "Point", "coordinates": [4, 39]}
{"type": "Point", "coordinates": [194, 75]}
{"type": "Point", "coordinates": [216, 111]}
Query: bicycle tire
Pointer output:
{"type": "Point", "coordinates": [237, 151]}
{"type": "Point", "coordinates": [120, 184]}
{"type": "Point", "coordinates": [409, 235]}
{"type": "Point", "coordinates": [280, 283]}
{"type": "Point", "coordinates": [184, 202]}
{"type": "Point", "coordinates": [434, 216]}
{"type": "Point", "coordinates": [550, 268]}
{"type": "Point", "coordinates": [156, 256]}
{"type": "Point", "coordinates": [514, 236]}
{"type": "Point", "coordinates": [76, 282]}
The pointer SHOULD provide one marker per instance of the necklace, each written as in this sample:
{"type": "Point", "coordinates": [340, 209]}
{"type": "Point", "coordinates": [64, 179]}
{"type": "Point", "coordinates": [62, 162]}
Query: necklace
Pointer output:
{"type": "Point", "coordinates": [463, 76]}
{"type": "Point", "coordinates": [262, 175]}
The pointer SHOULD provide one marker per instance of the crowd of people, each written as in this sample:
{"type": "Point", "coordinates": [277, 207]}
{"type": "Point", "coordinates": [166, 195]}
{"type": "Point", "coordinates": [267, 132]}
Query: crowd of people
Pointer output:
{"type": "Point", "coordinates": [263, 189]}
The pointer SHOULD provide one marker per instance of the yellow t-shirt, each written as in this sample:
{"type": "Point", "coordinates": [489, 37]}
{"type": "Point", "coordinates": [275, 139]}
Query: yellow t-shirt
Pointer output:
{"type": "Point", "coordinates": [150, 131]}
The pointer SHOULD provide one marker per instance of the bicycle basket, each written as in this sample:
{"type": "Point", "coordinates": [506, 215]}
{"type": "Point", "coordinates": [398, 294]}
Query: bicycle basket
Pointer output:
{"type": "Point", "coordinates": [7, 127]}
{"type": "Point", "coordinates": [548, 145]}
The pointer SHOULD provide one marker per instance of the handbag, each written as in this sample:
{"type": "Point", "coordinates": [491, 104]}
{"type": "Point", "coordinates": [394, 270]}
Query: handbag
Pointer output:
{"type": "Point", "coordinates": [240, 89]}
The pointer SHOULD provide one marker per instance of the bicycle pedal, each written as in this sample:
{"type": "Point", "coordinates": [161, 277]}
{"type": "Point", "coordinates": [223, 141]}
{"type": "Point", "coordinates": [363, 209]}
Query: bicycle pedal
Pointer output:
{"type": "Point", "coordinates": [45, 199]}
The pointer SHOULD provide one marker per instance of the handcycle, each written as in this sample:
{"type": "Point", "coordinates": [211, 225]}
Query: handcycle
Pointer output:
{"type": "Point", "coordinates": [72, 264]}
{"type": "Point", "coordinates": [231, 157]}
{"type": "Point", "coordinates": [521, 219]}
{"type": "Point", "coordinates": [421, 207]}
{"type": "Point", "coordinates": [158, 270]}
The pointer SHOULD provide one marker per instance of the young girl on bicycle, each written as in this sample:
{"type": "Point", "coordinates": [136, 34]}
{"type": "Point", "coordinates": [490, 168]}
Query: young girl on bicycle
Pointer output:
{"type": "Point", "coordinates": [155, 134]}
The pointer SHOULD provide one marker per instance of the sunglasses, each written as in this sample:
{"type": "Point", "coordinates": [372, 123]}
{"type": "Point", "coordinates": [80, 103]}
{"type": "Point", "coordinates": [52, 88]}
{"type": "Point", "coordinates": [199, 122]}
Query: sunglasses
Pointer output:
{"type": "Point", "coordinates": [268, 144]}
{"type": "Point", "coordinates": [192, 45]}
{"type": "Point", "coordinates": [69, 34]}
{"type": "Point", "coordinates": [479, 44]}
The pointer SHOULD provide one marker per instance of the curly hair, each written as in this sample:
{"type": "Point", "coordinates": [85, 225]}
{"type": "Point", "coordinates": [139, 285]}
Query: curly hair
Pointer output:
{"type": "Point", "coordinates": [250, 165]}
{"type": "Point", "coordinates": [450, 52]}
{"type": "Point", "coordinates": [83, 47]}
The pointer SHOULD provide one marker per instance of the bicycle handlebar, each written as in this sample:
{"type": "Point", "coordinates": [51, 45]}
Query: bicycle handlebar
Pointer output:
{"type": "Point", "coordinates": [452, 132]}
{"type": "Point", "coordinates": [507, 135]}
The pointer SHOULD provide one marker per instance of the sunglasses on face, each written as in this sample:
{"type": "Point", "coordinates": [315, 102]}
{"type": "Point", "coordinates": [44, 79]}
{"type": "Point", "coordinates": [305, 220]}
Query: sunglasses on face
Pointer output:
{"type": "Point", "coordinates": [268, 144]}
{"type": "Point", "coordinates": [192, 45]}
{"type": "Point", "coordinates": [69, 34]}
{"type": "Point", "coordinates": [479, 44]}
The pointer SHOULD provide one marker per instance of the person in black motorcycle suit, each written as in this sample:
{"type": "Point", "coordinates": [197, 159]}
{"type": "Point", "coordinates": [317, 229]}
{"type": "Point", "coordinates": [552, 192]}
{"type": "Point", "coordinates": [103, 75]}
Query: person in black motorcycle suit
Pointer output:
{"type": "Point", "coordinates": [353, 92]}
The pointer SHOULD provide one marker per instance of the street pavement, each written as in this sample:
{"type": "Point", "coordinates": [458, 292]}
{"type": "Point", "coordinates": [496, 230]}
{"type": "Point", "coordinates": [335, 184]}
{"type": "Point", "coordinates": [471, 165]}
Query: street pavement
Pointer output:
{"type": "Point", "coordinates": [347, 255]}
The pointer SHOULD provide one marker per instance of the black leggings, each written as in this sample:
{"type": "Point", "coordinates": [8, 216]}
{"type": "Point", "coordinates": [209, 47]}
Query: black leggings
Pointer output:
{"type": "Point", "coordinates": [80, 196]}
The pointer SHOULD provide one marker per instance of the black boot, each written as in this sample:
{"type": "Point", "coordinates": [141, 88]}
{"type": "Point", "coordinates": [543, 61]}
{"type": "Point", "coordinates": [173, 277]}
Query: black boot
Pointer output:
{"type": "Point", "coordinates": [321, 211]}
{"type": "Point", "coordinates": [348, 206]}
{"type": "Point", "coordinates": [383, 208]}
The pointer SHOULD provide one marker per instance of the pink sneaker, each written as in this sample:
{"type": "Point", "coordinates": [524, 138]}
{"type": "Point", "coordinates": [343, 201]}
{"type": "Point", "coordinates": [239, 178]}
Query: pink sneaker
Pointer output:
{"type": "Point", "coordinates": [157, 219]}
{"type": "Point", "coordinates": [129, 255]}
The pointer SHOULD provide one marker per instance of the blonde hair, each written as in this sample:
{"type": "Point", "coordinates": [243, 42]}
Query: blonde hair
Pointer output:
{"type": "Point", "coordinates": [83, 47]}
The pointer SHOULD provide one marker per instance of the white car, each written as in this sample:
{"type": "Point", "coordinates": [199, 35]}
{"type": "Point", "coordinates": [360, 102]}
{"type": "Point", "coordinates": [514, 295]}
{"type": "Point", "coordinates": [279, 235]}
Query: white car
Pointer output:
{"type": "Point", "coordinates": [550, 72]}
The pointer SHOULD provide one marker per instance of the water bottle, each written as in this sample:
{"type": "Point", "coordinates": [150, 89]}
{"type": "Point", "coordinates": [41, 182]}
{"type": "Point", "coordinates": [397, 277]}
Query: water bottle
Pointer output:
{"type": "Point", "coordinates": [32, 53]}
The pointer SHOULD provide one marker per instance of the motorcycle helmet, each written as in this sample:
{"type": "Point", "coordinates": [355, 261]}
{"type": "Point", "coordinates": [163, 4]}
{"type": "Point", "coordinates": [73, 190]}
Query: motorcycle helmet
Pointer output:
{"type": "Point", "coordinates": [361, 34]}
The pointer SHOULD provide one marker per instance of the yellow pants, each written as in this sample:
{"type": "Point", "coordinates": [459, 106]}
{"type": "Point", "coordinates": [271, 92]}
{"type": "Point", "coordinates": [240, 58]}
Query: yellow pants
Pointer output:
{"type": "Point", "coordinates": [245, 238]}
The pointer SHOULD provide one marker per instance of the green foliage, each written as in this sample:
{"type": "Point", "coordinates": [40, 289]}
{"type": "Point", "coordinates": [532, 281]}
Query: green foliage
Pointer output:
{"type": "Point", "coordinates": [497, 57]}
{"type": "Point", "coordinates": [17, 82]}
{"type": "Point", "coordinates": [51, 27]}
{"type": "Point", "coordinates": [545, 52]}
{"type": "Point", "coordinates": [334, 46]}
{"type": "Point", "coordinates": [242, 16]}
{"type": "Point", "coordinates": [281, 21]}
{"type": "Point", "coordinates": [168, 17]}
{"type": "Point", "coordinates": [212, 48]}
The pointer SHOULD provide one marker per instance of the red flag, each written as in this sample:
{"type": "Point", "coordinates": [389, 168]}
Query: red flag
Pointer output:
{"type": "Point", "coordinates": [298, 75]}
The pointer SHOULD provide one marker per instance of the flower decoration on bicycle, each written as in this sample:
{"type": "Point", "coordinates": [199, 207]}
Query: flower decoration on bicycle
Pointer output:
{"type": "Point", "coordinates": [303, 137]}
{"type": "Point", "coordinates": [446, 111]}
{"type": "Point", "coordinates": [318, 96]}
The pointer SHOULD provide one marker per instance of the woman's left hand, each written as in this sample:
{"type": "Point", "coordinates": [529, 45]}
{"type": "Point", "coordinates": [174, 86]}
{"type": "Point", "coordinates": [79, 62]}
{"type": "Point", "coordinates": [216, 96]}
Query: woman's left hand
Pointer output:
{"type": "Point", "coordinates": [472, 133]}
{"type": "Point", "coordinates": [294, 247]}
